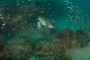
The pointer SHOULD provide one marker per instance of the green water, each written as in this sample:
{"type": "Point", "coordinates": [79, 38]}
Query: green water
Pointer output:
{"type": "Point", "coordinates": [19, 19]}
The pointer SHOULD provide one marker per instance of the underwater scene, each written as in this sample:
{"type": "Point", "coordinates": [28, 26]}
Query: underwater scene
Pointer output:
{"type": "Point", "coordinates": [44, 30]}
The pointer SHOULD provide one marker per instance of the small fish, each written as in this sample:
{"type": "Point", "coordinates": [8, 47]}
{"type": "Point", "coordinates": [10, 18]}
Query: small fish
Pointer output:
{"type": "Point", "coordinates": [45, 23]}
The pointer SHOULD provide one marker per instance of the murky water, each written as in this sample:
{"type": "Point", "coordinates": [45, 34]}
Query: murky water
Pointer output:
{"type": "Point", "coordinates": [44, 30]}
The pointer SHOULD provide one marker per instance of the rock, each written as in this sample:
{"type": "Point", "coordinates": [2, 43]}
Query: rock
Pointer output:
{"type": "Point", "coordinates": [66, 33]}
{"type": "Point", "coordinates": [34, 58]}
{"type": "Point", "coordinates": [1, 43]}
{"type": "Point", "coordinates": [22, 48]}
{"type": "Point", "coordinates": [72, 38]}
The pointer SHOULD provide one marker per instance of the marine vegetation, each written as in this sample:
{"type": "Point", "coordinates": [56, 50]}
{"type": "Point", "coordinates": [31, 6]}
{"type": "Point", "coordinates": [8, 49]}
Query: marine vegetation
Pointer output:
{"type": "Point", "coordinates": [15, 18]}
{"type": "Point", "coordinates": [1, 43]}
{"type": "Point", "coordinates": [37, 38]}
{"type": "Point", "coordinates": [24, 48]}
{"type": "Point", "coordinates": [71, 37]}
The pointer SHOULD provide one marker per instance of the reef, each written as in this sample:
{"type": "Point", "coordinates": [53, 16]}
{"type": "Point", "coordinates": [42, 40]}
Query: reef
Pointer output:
{"type": "Point", "coordinates": [71, 37]}
{"type": "Point", "coordinates": [24, 48]}
{"type": "Point", "coordinates": [1, 43]}
{"type": "Point", "coordinates": [52, 50]}
{"type": "Point", "coordinates": [20, 18]}
{"type": "Point", "coordinates": [12, 16]}
{"type": "Point", "coordinates": [56, 49]}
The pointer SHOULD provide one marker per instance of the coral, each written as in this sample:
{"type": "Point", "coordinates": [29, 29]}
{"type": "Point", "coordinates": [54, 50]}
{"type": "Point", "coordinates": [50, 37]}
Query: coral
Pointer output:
{"type": "Point", "coordinates": [56, 49]}
{"type": "Point", "coordinates": [72, 38]}
{"type": "Point", "coordinates": [1, 43]}
{"type": "Point", "coordinates": [51, 50]}
{"type": "Point", "coordinates": [22, 48]}
{"type": "Point", "coordinates": [66, 33]}
{"type": "Point", "coordinates": [18, 18]}
{"type": "Point", "coordinates": [64, 40]}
